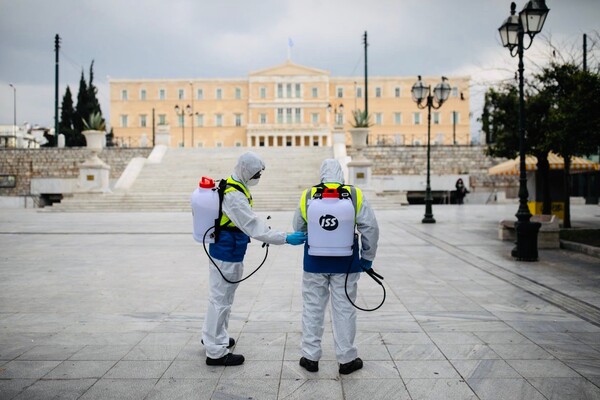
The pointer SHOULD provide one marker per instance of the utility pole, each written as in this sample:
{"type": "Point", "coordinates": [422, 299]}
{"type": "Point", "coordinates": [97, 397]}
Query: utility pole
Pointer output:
{"type": "Point", "coordinates": [56, 49]}
{"type": "Point", "coordinates": [366, 76]}
{"type": "Point", "coordinates": [584, 52]}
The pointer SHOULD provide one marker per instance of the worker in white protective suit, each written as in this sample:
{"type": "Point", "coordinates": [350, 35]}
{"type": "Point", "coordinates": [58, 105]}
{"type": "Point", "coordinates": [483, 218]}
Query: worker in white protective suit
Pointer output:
{"type": "Point", "coordinates": [237, 225]}
{"type": "Point", "coordinates": [324, 277]}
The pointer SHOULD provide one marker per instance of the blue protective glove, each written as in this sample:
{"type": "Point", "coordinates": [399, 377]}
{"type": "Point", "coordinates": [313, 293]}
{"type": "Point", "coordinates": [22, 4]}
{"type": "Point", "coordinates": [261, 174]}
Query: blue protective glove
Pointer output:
{"type": "Point", "coordinates": [365, 264]}
{"type": "Point", "coordinates": [296, 238]}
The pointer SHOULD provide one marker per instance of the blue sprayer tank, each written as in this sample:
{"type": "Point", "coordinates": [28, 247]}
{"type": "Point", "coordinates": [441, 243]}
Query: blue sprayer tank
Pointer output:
{"type": "Point", "coordinates": [330, 225]}
{"type": "Point", "coordinates": [205, 209]}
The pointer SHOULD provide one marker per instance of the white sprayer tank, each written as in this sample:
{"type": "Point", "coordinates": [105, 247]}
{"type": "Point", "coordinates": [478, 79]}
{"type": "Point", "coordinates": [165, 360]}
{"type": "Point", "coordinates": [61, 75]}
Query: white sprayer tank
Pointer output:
{"type": "Point", "coordinates": [330, 225]}
{"type": "Point", "coordinates": [205, 209]}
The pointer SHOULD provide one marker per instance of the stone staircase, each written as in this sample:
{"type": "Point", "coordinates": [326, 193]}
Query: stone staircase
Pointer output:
{"type": "Point", "coordinates": [167, 186]}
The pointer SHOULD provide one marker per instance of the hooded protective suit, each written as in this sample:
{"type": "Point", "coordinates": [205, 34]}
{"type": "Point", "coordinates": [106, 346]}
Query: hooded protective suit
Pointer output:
{"type": "Point", "coordinates": [236, 207]}
{"type": "Point", "coordinates": [317, 287]}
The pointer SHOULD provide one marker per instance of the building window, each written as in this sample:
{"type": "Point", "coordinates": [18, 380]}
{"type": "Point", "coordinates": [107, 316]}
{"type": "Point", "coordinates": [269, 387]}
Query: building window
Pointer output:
{"type": "Point", "coordinates": [455, 117]}
{"type": "Point", "coordinates": [181, 94]}
{"type": "Point", "coordinates": [436, 118]}
{"type": "Point", "coordinates": [124, 95]}
{"type": "Point", "coordinates": [417, 118]}
{"type": "Point", "coordinates": [219, 120]}
{"type": "Point", "coordinates": [280, 90]}
{"type": "Point", "coordinates": [298, 91]}
{"type": "Point", "coordinates": [162, 119]}
{"type": "Point", "coordinates": [398, 118]}
{"type": "Point", "coordinates": [199, 144]}
{"type": "Point", "coordinates": [359, 92]}
{"type": "Point", "coordinates": [315, 92]}
{"type": "Point", "coordinates": [288, 115]}
{"type": "Point", "coordinates": [455, 91]}
{"type": "Point", "coordinates": [280, 115]}
{"type": "Point", "coordinates": [263, 92]}
{"type": "Point", "coordinates": [162, 94]}
{"type": "Point", "coordinates": [298, 116]}
{"type": "Point", "coordinates": [439, 139]}
{"type": "Point", "coordinates": [180, 120]}
{"type": "Point", "coordinates": [199, 119]}
{"type": "Point", "coordinates": [377, 92]}
{"type": "Point", "coordinates": [143, 118]}
{"type": "Point", "coordinates": [340, 92]}
{"type": "Point", "coordinates": [200, 94]}
{"type": "Point", "coordinates": [143, 94]}
{"type": "Point", "coordinates": [397, 92]}
{"type": "Point", "coordinates": [219, 144]}
{"type": "Point", "coordinates": [315, 118]}
{"type": "Point", "coordinates": [263, 118]}
{"type": "Point", "coordinates": [123, 121]}
{"type": "Point", "coordinates": [238, 144]}
{"type": "Point", "coordinates": [238, 119]}
{"type": "Point", "coordinates": [378, 118]}
{"type": "Point", "coordinates": [238, 93]}
{"type": "Point", "coordinates": [219, 94]}
{"type": "Point", "coordinates": [288, 90]}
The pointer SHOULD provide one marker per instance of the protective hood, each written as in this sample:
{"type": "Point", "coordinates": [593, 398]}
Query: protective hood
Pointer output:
{"type": "Point", "coordinates": [247, 166]}
{"type": "Point", "coordinates": [331, 171]}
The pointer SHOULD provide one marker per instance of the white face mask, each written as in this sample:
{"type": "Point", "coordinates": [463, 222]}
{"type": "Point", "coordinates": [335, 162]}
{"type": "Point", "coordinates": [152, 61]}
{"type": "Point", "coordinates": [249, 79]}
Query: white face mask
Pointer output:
{"type": "Point", "coordinates": [253, 182]}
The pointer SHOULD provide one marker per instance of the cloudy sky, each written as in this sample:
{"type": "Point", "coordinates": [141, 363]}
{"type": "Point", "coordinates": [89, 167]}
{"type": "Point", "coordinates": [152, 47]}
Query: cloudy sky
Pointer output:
{"type": "Point", "coordinates": [229, 38]}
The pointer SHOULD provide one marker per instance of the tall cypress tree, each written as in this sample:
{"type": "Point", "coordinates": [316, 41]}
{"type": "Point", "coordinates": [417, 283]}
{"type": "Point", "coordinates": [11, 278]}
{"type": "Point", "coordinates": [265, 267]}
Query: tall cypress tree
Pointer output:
{"type": "Point", "coordinates": [66, 117]}
{"type": "Point", "coordinates": [71, 124]}
{"type": "Point", "coordinates": [81, 110]}
{"type": "Point", "coordinates": [94, 105]}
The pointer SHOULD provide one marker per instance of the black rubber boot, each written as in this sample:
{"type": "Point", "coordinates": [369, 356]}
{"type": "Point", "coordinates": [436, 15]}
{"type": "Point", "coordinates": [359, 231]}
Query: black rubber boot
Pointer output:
{"type": "Point", "coordinates": [227, 360]}
{"type": "Point", "coordinates": [351, 366]}
{"type": "Point", "coordinates": [309, 365]}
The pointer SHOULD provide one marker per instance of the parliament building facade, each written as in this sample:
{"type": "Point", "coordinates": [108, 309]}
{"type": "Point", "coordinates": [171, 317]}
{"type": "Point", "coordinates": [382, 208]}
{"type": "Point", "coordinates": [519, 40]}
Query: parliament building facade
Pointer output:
{"type": "Point", "coordinates": [285, 105]}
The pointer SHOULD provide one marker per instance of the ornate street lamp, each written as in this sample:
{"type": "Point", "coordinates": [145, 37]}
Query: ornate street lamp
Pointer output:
{"type": "Point", "coordinates": [512, 32]}
{"type": "Point", "coordinates": [338, 112]}
{"type": "Point", "coordinates": [421, 94]}
{"type": "Point", "coordinates": [181, 113]}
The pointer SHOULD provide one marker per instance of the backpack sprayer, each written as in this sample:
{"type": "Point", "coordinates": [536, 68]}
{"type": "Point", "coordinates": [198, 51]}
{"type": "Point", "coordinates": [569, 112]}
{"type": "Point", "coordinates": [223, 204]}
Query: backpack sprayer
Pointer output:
{"type": "Point", "coordinates": [330, 225]}
{"type": "Point", "coordinates": [206, 204]}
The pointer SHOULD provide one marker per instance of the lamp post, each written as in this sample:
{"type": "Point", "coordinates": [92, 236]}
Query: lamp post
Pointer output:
{"type": "Point", "coordinates": [421, 92]}
{"type": "Point", "coordinates": [512, 32]}
{"type": "Point", "coordinates": [180, 111]}
{"type": "Point", "coordinates": [191, 111]}
{"type": "Point", "coordinates": [14, 107]}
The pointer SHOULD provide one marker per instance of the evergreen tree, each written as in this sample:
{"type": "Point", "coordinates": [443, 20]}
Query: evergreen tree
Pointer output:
{"type": "Point", "coordinates": [81, 112]}
{"type": "Point", "coordinates": [67, 113]}
{"type": "Point", "coordinates": [94, 104]}
{"type": "Point", "coordinates": [71, 119]}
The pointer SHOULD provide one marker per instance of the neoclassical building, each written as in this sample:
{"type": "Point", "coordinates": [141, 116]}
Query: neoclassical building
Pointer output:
{"type": "Point", "coordinates": [285, 105]}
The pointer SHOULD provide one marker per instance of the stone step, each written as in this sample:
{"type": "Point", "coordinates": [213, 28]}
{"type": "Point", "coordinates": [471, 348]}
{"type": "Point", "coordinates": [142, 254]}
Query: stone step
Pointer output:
{"type": "Point", "coordinates": [167, 186]}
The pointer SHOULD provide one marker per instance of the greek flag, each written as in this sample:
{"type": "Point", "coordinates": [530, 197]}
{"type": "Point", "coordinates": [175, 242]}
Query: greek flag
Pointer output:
{"type": "Point", "coordinates": [289, 49]}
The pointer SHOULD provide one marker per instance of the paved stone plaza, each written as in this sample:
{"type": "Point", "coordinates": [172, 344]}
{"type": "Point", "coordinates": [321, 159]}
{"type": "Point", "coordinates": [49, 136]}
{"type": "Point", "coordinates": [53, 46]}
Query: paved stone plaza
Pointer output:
{"type": "Point", "coordinates": [110, 306]}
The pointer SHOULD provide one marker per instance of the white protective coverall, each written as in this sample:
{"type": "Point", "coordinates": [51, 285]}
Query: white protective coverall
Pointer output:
{"type": "Point", "coordinates": [317, 287]}
{"type": "Point", "coordinates": [236, 207]}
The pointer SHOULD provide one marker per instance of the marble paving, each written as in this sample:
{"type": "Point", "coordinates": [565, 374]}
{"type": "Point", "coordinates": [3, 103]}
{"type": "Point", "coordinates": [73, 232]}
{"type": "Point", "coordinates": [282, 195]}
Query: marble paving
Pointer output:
{"type": "Point", "coordinates": [111, 305]}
